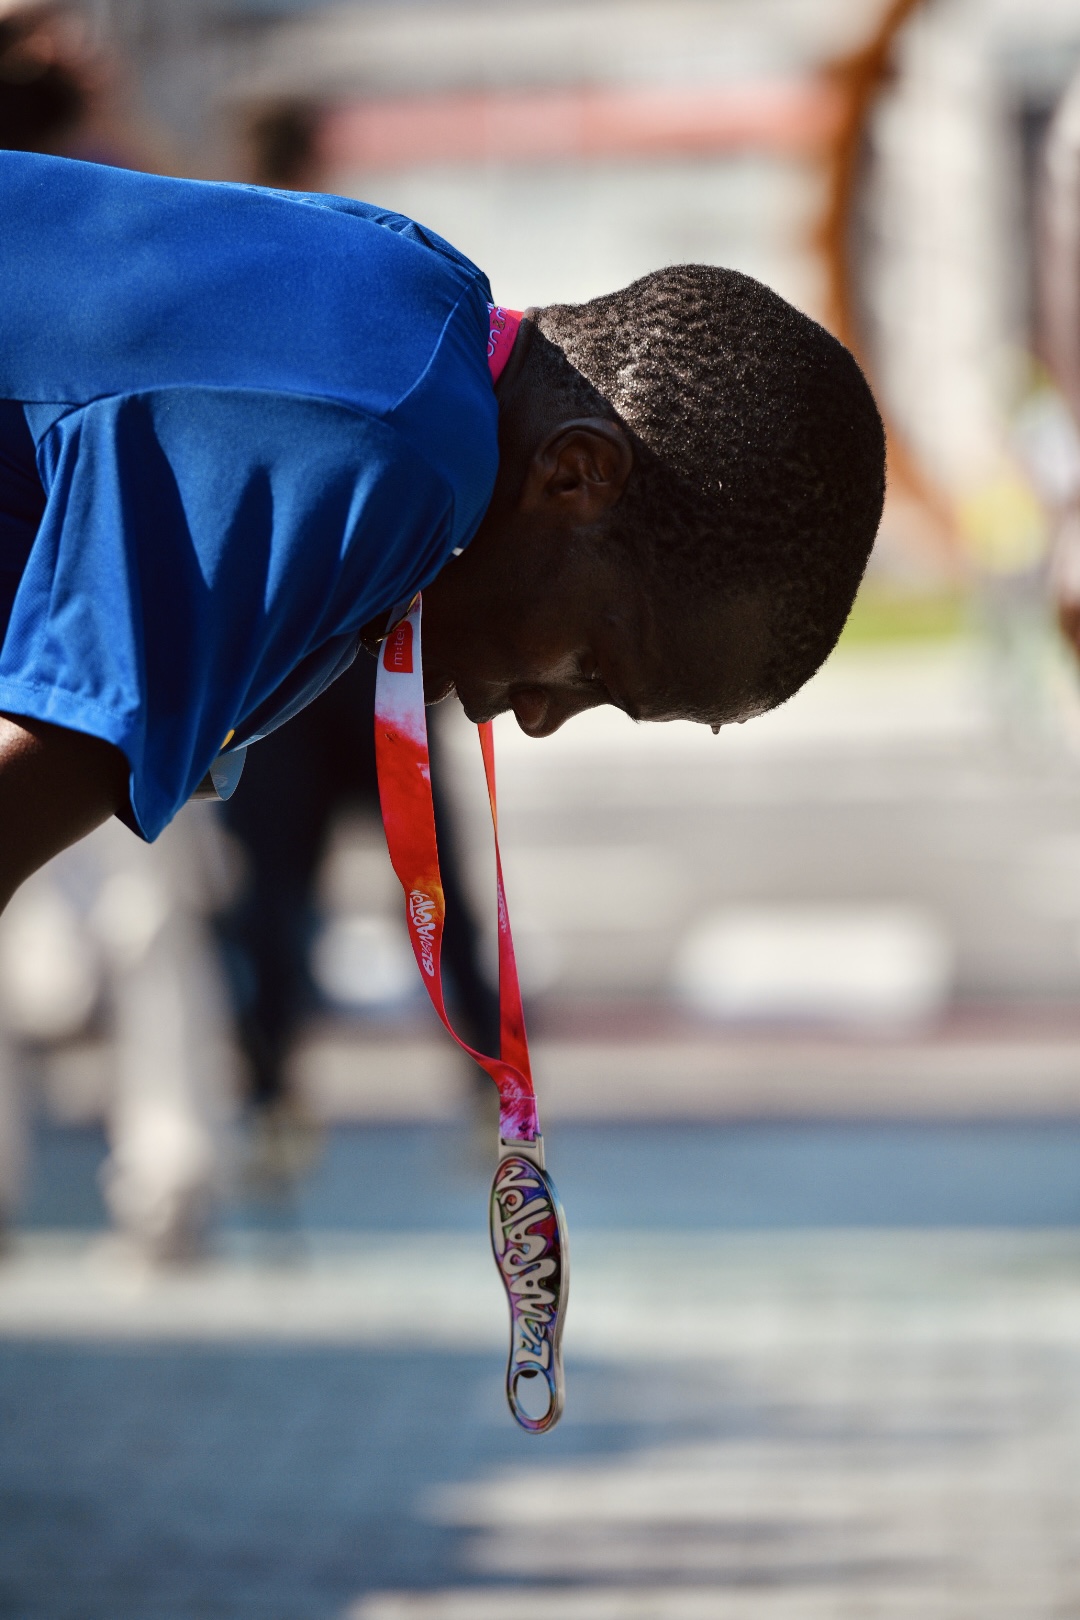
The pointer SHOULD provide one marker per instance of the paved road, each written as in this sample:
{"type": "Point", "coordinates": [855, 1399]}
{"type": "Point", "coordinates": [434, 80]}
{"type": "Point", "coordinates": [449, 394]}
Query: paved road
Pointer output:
{"type": "Point", "coordinates": [763, 1424]}
{"type": "Point", "coordinates": [824, 1425]}
{"type": "Point", "coordinates": [675, 1176]}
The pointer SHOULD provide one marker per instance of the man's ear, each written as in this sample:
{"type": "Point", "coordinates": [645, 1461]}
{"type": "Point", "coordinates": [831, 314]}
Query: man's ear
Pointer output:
{"type": "Point", "coordinates": [579, 471]}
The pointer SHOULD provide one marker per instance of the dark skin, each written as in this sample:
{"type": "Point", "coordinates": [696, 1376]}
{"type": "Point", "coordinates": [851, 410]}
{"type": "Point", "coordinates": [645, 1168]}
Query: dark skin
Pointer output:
{"type": "Point", "coordinates": [543, 614]}
{"type": "Point", "coordinates": [55, 787]}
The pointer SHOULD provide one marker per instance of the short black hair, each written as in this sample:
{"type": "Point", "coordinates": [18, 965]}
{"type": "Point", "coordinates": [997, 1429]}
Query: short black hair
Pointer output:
{"type": "Point", "coordinates": [759, 451]}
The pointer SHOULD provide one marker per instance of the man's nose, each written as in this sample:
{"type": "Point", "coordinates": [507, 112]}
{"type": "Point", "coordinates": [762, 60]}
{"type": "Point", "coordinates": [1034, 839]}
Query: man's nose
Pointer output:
{"type": "Point", "coordinates": [541, 713]}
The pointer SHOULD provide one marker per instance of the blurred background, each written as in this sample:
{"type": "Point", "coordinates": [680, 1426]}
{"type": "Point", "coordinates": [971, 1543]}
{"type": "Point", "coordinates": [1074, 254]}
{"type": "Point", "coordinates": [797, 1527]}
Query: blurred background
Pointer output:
{"type": "Point", "coordinates": [804, 999]}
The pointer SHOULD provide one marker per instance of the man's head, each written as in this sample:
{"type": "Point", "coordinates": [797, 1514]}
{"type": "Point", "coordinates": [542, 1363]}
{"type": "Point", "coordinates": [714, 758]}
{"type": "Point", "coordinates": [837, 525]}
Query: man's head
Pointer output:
{"type": "Point", "coordinates": [691, 477]}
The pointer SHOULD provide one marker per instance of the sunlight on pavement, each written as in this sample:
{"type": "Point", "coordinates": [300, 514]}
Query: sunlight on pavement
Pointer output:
{"type": "Point", "coordinates": [637, 1297]}
{"type": "Point", "coordinates": [884, 1424]}
{"type": "Point", "coordinates": [695, 1603]}
{"type": "Point", "coordinates": [621, 1603]}
{"type": "Point", "coordinates": [912, 1422]}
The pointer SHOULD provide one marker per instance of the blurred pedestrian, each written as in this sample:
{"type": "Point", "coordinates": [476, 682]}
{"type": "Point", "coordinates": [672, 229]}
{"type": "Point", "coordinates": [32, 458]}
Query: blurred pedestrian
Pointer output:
{"type": "Point", "coordinates": [61, 93]}
{"type": "Point", "coordinates": [114, 934]}
{"type": "Point", "coordinates": [296, 785]}
{"type": "Point", "coordinates": [1058, 263]}
{"type": "Point", "coordinates": [129, 917]}
{"type": "Point", "coordinates": [46, 87]}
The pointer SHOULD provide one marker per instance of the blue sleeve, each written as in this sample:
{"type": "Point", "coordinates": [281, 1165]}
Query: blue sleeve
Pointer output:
{"type": "Point", "coordinates": [197, 547]}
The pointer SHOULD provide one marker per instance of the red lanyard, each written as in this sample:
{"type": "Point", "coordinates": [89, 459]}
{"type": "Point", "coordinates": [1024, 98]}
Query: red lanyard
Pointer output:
{"type": "Point", "coordinates": [527, 1226]}
{"type": "Point", "coordinates": [401, 751]}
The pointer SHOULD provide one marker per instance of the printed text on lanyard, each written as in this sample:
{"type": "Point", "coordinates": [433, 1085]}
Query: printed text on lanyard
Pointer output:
{"type": "Point", "coordinates": [528, 1229]}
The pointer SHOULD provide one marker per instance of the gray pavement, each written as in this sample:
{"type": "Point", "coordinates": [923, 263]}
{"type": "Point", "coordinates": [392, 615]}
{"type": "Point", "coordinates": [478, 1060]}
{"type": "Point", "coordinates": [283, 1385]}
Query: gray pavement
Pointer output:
{"type": "Point", "coordinates": [814, 1420]}
{"type": "Point", "coordinates": [813, 1424]}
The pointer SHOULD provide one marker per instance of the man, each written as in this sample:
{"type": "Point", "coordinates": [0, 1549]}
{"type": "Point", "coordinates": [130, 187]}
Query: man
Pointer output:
{"type": "Point", "coordinates": [241, 428]}
{"type": "Point", "coordinates": [1058, 275]}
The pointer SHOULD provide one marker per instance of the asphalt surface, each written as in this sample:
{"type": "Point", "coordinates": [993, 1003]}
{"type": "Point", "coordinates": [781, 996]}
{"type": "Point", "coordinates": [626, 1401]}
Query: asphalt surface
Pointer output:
{"type": "Point", "coordinates": [767, 1418]}
{"type": "Point", "coordinates": [658, 1176]}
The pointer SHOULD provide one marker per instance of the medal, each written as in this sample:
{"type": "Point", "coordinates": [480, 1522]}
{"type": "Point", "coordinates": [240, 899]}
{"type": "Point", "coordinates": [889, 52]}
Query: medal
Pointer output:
{"type": "Point", "coordinates": [528, 1228]}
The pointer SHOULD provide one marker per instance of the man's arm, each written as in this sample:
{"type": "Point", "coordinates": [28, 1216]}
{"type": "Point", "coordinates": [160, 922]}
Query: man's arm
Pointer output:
{"type": "Point", "coordinates": [55, 787]}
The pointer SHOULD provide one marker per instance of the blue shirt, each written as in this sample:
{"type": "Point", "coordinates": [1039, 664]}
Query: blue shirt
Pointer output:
{"type": "Point", "coordinates": [235, 426]}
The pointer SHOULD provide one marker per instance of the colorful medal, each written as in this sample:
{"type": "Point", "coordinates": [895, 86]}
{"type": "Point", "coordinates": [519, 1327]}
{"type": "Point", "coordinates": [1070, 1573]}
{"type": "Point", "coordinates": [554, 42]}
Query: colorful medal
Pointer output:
{"type": "Point", "coordinates": [528, 1228]}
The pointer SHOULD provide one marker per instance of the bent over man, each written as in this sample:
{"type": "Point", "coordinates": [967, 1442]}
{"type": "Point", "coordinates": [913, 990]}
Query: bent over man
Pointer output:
{"type": "Point", "coordinates": [240, 429]}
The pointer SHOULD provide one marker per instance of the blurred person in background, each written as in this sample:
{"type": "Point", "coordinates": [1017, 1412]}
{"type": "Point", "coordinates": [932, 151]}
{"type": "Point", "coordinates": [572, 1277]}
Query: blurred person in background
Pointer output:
{"type": "Point", "coordinates": [281, 138]}
{"type": "Point", "coordinates": [61, 93]}
{"type": "Point", "coordinates": [112, 936]}
{"type": "Point", "coordinates": [47, 79]}
{"type": "Point", "coordinates": [1059, 300]}
{"type": "Point", "coordinates": [1059, 247]}
{"type": "Point", "coordinates": [296, 784]}
{"type": "Point", "coordinates": [112, 923]}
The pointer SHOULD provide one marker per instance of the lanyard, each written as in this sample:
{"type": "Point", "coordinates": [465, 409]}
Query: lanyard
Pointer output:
{"type": "Point", "coordinates": [528, 1229]}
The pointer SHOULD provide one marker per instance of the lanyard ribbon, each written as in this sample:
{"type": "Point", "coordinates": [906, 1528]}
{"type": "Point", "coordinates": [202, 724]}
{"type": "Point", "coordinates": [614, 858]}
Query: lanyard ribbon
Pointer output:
{"type": "Point", "coordinates": [528, 1230]}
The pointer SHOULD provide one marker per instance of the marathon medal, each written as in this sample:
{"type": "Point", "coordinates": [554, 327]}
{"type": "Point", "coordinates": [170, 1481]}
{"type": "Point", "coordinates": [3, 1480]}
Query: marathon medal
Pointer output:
{"type": "Point", "coordinates": [528, 1228]}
